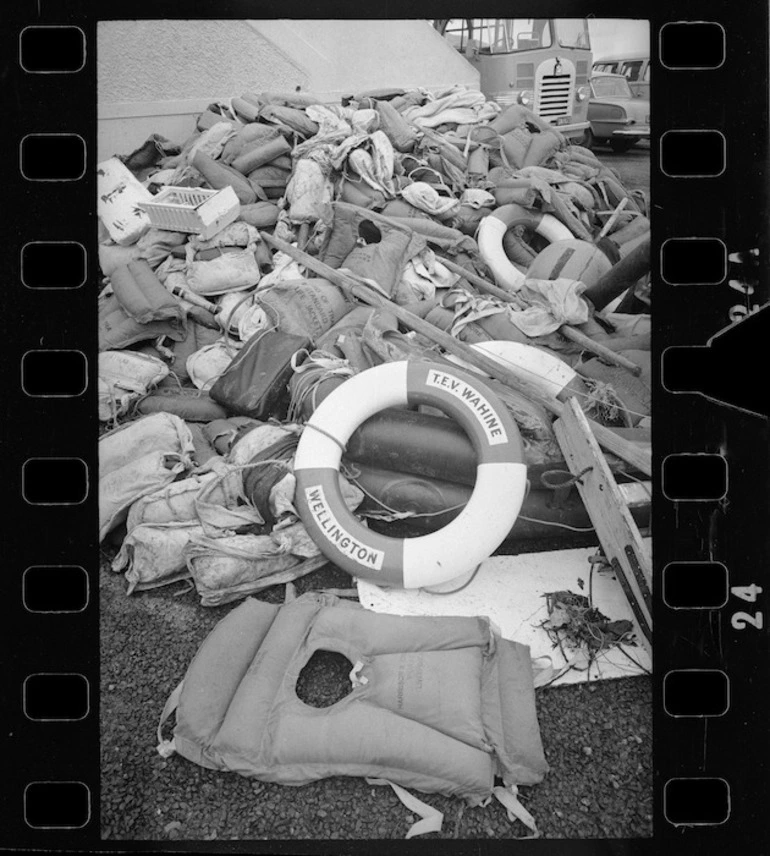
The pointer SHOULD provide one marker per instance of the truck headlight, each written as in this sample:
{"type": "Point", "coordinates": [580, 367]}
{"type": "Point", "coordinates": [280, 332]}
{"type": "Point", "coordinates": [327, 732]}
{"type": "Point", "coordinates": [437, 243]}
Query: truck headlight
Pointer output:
{"type": "Point", "coordinates": [525, 97]}
{"type": "Point", "coordinates": [582, 93]}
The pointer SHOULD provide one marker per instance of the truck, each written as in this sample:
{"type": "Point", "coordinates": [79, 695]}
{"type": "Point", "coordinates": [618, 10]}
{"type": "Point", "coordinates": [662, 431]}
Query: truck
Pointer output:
{"type": "Point", "coordinates": [540, 63]}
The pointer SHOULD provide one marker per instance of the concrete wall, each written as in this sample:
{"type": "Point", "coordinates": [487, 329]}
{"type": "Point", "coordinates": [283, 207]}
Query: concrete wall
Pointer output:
{"type": "Point", "coordinates": [344, 57]}
{"type": "Point", "coordinates": [155, 76]}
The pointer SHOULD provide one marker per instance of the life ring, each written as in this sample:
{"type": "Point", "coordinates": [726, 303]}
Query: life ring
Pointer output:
{"type": "Point", "coordinates": [494, 226]}
{"type": "Point", "coordinates": [438, 557]}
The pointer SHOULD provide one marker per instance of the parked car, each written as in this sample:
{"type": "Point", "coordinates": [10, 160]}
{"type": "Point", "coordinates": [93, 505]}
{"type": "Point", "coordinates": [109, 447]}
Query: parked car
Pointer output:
{"type": "Point", "coordinates": [617, 117]}
{"type": "Point", "coordinates": [634, 67]}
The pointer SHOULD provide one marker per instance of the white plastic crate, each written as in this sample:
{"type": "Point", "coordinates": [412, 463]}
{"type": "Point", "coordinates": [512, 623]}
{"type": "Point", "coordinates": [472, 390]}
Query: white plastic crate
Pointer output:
{"type": "Point", "coordinates": [193, 209]}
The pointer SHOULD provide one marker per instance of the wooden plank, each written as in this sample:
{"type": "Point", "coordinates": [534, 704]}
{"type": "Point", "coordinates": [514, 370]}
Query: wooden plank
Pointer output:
{"type": "Point", "coordinates": [566, 330]}
{"type": "Point", "coordinates": [632, 453]}
{"type": "Point", "coordinates": [606, 506]}
{"type": "Point", "coordinates": [636, 494]}
{"type": "Point", "coordinates": [601, 351]}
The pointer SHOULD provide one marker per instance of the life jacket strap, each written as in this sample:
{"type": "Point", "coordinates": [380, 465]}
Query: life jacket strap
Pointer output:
{"type": "Point", "coordinates": [432, 819]}
{"type": "Point", "coordinates": [166, 748]}
{"type": "Point", "coordinates": [516, 811]}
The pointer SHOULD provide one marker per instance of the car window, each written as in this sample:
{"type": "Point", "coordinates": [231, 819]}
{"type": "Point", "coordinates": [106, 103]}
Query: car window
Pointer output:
{"type": "Point", "coordinates": [607, 67]}
{"type": "Point", "coordinates": [647, 73]}
{"type": "Point", "coordinates": [631, 69]}
{"type": "Point", "coordinates": [610, 87]}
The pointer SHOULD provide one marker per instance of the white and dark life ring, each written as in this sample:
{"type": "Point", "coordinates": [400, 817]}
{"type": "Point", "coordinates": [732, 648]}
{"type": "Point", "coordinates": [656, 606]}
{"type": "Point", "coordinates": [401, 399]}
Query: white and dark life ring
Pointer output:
{"type": "Point", "coordinates": [438, 557]}
{"type": "Point", "coordinates": [490, 239]}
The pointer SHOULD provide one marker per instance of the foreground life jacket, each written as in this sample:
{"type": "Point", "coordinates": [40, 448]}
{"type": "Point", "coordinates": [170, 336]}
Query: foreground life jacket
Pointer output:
{"type": "Point", "coordinates": [443, 705]}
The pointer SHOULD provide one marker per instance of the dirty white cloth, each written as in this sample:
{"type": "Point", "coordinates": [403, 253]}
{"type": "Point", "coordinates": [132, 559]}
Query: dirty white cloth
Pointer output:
{"type": "Point", "coordinates": [221, 505]}
{"type": "Point", "coordinates": [551, 304]}
{"type": "Point", "coordinates": [174, 503]}
{"type": "Point", "coordinates": [371, 156]}
{"type": "Point", "coordinates": [212, 141]}
{"type": "Point", "coordinates": [237, 234]}
{"type": "Point", "coordinates": [233, 567]}
{"type": "Point", "coordinates": [210, 362]}
{"type": "Point", "coordinates": [366, 120]}
{"type": "Point", "coordinates": [253, 321]}
{"type": "Point", "coordinates": [123, 377]}
{"type": "Point", "coordinates": [232, 308]}
{"type": "Point", "coordinates": [229, 272]}
{"type": "Point", "coordinates": [425, 197]}
{"type": "Point", "coordinates": [119, 489]}
{"type": "Point", "coordinates": [470, 307]}
{"type": "Point", "coordinates": [375, 163]}
{"type": "Point", "coordinates": [257, 440]}
{"type": "Point", "coordinates": [284, 267]}
{"type": "Point", "coordinates": [152, 555]}
{"type": "Point", "coordinates": [162, 176]}
{"type": "Point", "coordinates": [332, 120]}
{"type": "Point", "coordinates": [308, 191]}
{"type": "Point", "coordinates": [477, 198]}
{"type": "Point", "coordinates": [462, 107]}
{"type": "Point", "coordinates": [425, 273]}
{"type": "Point", "coordinates": [171, 270]}
{"type": "Point", "coordinates": [551, 176]}
{"type": "Point", "coordinates": [162, 432]}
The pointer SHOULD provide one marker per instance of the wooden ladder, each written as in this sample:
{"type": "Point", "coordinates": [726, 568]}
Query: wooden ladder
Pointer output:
{"type": "Point", "coordinates": [607, 507]}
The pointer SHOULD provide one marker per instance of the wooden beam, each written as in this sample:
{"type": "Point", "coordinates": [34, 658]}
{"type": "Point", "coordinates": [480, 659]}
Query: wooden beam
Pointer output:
{"type": "Point", "coordinates": [601, 351]}
{"type": "Point", "coordinates": [606, 506]}
{"type": "Point", "coordinates": [566, 330]}
{"type": "Point", "coordinates": [630, 452]}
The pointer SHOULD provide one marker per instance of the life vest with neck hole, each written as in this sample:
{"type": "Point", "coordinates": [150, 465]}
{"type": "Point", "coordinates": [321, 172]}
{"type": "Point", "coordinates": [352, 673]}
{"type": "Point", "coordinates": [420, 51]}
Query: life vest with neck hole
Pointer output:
{"type": "Point", "coordinates": [442, 705]}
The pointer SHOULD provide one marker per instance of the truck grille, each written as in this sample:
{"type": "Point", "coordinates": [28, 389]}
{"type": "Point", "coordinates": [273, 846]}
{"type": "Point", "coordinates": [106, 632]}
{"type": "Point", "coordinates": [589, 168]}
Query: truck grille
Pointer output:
{"type": "Point", "coordinates": [554, 95]}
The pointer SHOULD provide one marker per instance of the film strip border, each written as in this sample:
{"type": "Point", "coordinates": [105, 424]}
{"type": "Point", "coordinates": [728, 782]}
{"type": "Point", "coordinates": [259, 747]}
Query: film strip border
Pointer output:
{"type": "Point", "coordinates": [51, 545]}
{"type": "Point", "coordinates": [712, 463]}
{"type": "Point", "coordinates": [709, 546]}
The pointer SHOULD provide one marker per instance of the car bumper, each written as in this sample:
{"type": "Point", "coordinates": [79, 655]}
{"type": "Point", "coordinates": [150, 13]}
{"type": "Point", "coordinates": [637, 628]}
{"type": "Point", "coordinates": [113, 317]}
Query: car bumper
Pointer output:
{"type": "Point", "coordinates": [642, 131]}
{"type": "Point", "coordinates": [572, 128]}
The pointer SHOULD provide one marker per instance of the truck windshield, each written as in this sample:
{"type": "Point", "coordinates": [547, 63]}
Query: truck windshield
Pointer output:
{"type": "Point", "coordinates": [610, 87]}
{"type": "Point", "coordinates": [572, 33]}
{"type": "Point", "coordinates": [498, 35]}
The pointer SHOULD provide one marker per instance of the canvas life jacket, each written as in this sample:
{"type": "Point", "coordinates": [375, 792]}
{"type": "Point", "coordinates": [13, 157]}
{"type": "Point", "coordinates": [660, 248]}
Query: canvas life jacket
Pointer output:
{"type": "Point", "coordinates": [443, 705]}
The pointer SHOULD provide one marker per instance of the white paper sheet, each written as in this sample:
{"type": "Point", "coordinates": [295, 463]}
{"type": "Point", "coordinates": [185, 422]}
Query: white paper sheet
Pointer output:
{"type": "Point", "coordinates": [511, 591]}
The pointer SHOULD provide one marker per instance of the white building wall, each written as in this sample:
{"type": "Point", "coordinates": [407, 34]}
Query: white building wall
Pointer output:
{"type": "Point", "coordinates": [155, 76]}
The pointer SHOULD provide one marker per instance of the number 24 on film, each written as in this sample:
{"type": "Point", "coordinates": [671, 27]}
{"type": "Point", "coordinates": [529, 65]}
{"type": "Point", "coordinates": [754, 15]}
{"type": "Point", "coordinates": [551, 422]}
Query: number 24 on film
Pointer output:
{"type": "Point", "coordinates": [739, 620]}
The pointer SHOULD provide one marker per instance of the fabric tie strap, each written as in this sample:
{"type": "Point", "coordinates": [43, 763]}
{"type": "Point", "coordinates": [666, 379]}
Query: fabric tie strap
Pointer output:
{"type": "Point", "coordinates": [166, 748]}
{"type": "Point", "coordinates": [432, 819]}
{"type": "Point", "coordinates": [509, 798]}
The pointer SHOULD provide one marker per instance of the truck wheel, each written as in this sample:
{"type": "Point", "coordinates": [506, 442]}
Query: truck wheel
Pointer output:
{"type": "Point", "coordinates": [589, 140]}
{"type": "Point", "coordinates": [619, 146]}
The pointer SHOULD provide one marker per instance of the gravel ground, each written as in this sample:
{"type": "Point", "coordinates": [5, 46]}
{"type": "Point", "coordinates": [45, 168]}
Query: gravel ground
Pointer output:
{"type": "Point", "coordinates": [597, 740]}
{"type": "Point", "coordinates": [633, 165]}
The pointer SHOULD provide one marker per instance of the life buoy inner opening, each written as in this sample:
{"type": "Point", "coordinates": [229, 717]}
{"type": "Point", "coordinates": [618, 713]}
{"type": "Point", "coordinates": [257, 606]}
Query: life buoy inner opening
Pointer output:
{"type": "Point", "coordinates": [394, 484]}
